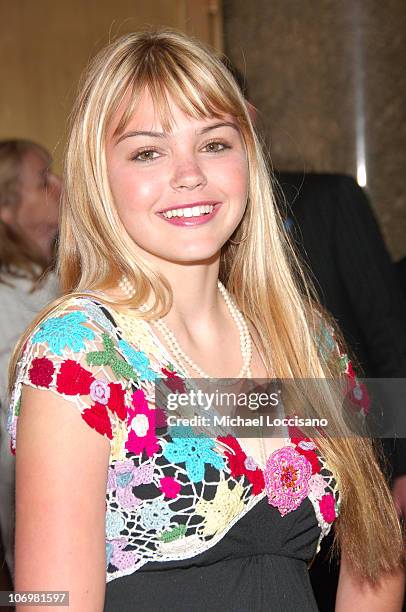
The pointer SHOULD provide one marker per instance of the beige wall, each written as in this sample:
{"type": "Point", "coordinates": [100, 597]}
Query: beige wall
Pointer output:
{"type": "Point", "coordinates": [329, 79]}
{"type": "Point", "coordinates": [45, 44]}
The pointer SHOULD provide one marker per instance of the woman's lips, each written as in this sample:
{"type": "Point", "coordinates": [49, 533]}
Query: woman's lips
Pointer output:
{"type": "Point", "coordinates": [192, 221]}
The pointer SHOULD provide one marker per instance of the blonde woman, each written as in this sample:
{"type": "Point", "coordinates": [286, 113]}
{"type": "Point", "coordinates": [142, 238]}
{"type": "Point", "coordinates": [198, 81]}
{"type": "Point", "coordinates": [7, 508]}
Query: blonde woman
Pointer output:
{"type": "Point", "coordinates": [166, 195]}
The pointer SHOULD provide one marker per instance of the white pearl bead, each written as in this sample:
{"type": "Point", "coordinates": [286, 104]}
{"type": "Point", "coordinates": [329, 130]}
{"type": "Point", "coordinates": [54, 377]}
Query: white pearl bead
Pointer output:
{"type": "Point", "coordinates": [245, 338]}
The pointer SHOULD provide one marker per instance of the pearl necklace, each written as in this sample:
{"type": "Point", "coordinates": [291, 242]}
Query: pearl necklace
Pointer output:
{"type": "Point", "coordinates": [245, 337]}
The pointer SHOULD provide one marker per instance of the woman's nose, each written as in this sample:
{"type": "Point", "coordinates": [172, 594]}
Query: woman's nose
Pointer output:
{"type": "Point", "coordinates": [187, 174]}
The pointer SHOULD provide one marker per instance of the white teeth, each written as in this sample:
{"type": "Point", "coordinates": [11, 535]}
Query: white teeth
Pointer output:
{"type": "Point", "coordinates": [195, 211]}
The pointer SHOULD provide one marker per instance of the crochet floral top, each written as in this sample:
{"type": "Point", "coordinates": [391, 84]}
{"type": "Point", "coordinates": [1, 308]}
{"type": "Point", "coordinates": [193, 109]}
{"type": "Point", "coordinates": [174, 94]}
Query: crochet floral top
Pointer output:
{"type": "Point", "coordinates": [171, 493]}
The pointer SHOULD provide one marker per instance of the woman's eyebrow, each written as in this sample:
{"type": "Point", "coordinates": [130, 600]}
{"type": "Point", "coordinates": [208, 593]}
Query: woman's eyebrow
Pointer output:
{"type": "Point", "coordinates": [204, 130]}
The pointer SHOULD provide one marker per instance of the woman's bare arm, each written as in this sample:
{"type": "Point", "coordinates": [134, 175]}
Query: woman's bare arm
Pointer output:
{"type": "Point", "coordinates": [61, 475]}
{"type": "Point", "coordinates": [352, 594]}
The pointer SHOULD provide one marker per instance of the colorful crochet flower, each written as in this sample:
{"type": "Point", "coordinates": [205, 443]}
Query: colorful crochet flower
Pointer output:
{"type": "Point", "coordinates": [241, 465]}
{"type": "Point", "coordinates": [327, 508]}
{"type": "Point", "coordinates": [114, 524]}
{"type": "Point", "coordinates": [125, 473]}
{"type": "Point", "coordinates": [169, 487]}
{"type": "Point", "coordinates": [306, 447]}
{"type": "Point", "coordinates": [220, 511]}
{"type": "Point", "coordinates": [117, 556]}
{"type": "Point", "coordinates": [98, 419]}
{"type": "Point", "coordinates": [326, 342]}
{"type": "Point", "coordinates": [357, 392]}
{"type": "Point", "coordinates": [64, 332]}
{"type": "Point", "coordinates": [173, 381]}
{"type": "Point", "coordinates": [116, 401]}
{"type": "Point", "coordinates": [194, 451]}
{"type": "Point", "coordinates": [141, 421]}
{"type": "Point", "coordinates": [41, 372]}
{"type": "Point", "coordinates": [317, 486]}
{"type": "Point", "coordinates": [100, 391]}
{"type": "Point", "coordinates": [138, 359]}
{"type": "Point", "coordinates": [117, 445]}
{"type": "Point", "coordinates": [120, 478]}
{"type": "Point", "coordinates": [155, 515]}
{"type": "Point", "coordinates": [72, 379]}
{"type": "Point", "coordinates": [311, 456]}
{"type": "Point", "coordinates": [96, 314]}
{"type": "Point", "coordinates": [287, 475]}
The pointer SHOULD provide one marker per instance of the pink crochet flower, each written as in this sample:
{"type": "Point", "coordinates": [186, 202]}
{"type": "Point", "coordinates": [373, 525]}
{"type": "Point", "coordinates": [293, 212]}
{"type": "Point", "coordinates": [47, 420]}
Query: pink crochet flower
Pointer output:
{"type": "Point", "coordinates": [170, 487]}
{"type": "Point", "coordinates": [141, 420]}
{"type": "Point", "coordinates": [317, 486]}
{"type": "Point", "coordinates": [100, 391]}
{"type": "Point", "coordinates": [327, 508]}
{"type": "Point", "coordinates": [121, 559]}
{"type": "Point", "coordinates": [287, 475]}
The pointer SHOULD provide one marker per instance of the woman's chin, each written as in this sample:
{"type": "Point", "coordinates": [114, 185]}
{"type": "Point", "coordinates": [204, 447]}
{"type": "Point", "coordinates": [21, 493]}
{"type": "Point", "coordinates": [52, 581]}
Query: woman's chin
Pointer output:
{"type": "Point", "coordinates": [193, 256]}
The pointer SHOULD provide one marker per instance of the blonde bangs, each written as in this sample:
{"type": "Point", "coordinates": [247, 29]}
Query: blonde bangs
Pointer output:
{"type": "Point", "coordinates": [196, 90]}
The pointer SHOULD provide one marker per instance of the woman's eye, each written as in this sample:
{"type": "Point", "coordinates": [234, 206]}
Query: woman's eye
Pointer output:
{"type": "Point", "coordinates": [146, 155]}
{"type": "Point", "coordinates": [216, 147]}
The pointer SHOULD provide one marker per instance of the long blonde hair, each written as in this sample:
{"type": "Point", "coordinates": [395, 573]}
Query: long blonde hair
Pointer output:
{"type": "Point", "coordinates": [257, 264]}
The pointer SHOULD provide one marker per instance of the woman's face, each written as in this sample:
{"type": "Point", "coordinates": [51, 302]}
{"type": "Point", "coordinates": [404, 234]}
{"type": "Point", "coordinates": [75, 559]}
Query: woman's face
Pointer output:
{"type": "Point", "coordinates": [197, 174]}
{"type": "Point", "coordinates": [36, 216]}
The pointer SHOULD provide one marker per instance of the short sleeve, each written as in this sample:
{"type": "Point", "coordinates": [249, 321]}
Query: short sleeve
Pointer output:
{"type": "Point", "coordinates": [77, 354]}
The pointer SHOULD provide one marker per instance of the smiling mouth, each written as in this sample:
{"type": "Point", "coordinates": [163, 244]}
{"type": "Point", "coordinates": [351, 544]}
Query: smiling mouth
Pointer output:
{"type": "Point", "coordinates": [191, 216]}
{"type": "Point", "coordinates": [189, 211]}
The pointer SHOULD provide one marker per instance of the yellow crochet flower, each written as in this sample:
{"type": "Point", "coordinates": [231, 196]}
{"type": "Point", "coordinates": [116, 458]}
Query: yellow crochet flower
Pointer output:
{"type": "Point", "coordinates": [134, 330]}
{"type": "Point", "coordinates": [117, 448]}
{"type": "Point", "coordinates": [222, 509]}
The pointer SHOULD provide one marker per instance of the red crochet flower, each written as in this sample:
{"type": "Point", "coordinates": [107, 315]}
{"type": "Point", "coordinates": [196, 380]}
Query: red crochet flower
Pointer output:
{"type": "Point", "coordinates": [297, 438]}
{"type": "Point", "coordinates": [327, 508]}
{"type": "Point", "coordinates": [238, 464]}
{"type": "Point", "coordinates": [98, 419]}
{"type": "Point", "coordinates": [160, 418]}
{"type": "Point", "coordinates": [116, 400]}
{"type": "Point", "coordinates": [173, 381]}
{"type": "Point", "coordinates": [357, 391]}
{"type": "Point", "coordinates": [72, 379]}
{"type": "Point", "coordinates": [41, 372]}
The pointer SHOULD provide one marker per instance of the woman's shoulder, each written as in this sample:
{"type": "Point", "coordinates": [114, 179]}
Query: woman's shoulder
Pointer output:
{"type": "Point", "coordinates": [81, 351]}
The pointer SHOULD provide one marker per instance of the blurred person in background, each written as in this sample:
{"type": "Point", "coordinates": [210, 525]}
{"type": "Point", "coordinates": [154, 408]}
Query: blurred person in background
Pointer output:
{"type": "Point", "coordinates": [29, 209]}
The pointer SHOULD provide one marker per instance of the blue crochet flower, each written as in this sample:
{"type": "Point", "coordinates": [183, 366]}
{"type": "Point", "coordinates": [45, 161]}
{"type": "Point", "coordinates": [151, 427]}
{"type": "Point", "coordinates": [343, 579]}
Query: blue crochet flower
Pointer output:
{"type": "Point", "coordinates": [138, 360]}
{"type": "Point", "coordinates": [326, 342]}
{"type": "Point", "coordinates": [109, 552]}
{"type": "Point", "coordinates": [96, 314]}
{"type": "Point", "coordinates": [114, 524]}
{"type": "Point", "coordinates": [156, 515]}
{"type": "Point", "coordinates": [64, 332]}
{"type": "Point", "coordinates": [194, 451]}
